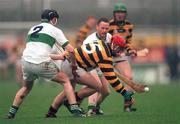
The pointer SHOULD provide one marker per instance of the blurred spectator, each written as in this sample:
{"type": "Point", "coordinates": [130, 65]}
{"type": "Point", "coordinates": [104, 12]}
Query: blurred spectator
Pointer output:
{"type": "Point", "coordinates": [17, 53]}
{"type": "Point", "coordinates": [172, 59]}
{"type": "Point", "coordinates": [3, 61]}
{"type": "Point", "coordinates": [85, 30]}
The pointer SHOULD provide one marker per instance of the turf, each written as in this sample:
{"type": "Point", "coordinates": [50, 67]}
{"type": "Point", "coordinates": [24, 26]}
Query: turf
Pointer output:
{"type": "Point", "coordinates": [160, 106]}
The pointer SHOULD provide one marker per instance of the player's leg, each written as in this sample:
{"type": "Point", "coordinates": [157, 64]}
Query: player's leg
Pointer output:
{"type": "Point", "coordinates": [124, 68]}
{"type": "Point", "coordinates": [19, 98]}
{"type": "Point", "coordinates": [57, 102]}
{"type": "Point", "coordinates": [101, 97]}
{"type": "Point", "coordinates": [92, 100]}
{"type": "Point", "coordinates": [96, 99]}
{"type": "Point", "coordinates": [85, 79]}
{"type": "Point", "coordinates": [60, 98]}
{"type": "Point", "coordinates": [91, 86]}
{"type": "Point", "coordinates": [63, 79]}
{"type": "Point", "coordinates": [22, 93]}
{"type": "Point", "coordinates": [68, 92]}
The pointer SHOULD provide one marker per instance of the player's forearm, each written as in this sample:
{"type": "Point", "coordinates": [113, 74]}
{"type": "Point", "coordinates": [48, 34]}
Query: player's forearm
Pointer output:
{"type": "Point", "coordinates": [72, 58]}
{"type": "Point", "coordinates": [71, 54]}
{"type": "Point", "coordinates": [57, 57]}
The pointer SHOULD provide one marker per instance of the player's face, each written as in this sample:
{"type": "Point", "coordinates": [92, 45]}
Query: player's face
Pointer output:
{"type": "Point", "coordinates": [102, 29]}
{"type": "Point", "coordinates": [120, 16]}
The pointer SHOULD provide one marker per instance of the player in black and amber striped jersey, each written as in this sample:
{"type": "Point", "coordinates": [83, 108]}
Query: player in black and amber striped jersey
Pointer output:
{"type": "Point", "coordinates": [123, 29]}
{"type": "Point", "coordinates": [99, 54]}
{"type": "Point", "coordinates": [119, 25]}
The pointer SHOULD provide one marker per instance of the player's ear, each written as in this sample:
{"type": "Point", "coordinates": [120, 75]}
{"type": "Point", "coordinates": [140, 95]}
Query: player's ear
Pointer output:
{"type": "Point", "coordinates": [53, 21]}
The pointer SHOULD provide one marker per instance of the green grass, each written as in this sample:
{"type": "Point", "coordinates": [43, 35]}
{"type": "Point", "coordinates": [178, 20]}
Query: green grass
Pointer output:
{"type": "Point", "coordinates": [160, 106]}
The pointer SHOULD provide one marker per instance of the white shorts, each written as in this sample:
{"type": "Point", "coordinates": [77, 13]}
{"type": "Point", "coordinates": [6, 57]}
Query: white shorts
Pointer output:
{"type": "Point", "coordinates": [97, 70]}
{"type": "Point", "coordinates": [32, 71]}
{"type": "Point", "coordinates": [65, 67]}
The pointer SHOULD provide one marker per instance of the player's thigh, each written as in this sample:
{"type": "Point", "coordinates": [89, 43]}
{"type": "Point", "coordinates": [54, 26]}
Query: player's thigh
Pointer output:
{"type": "Point", "coordinates": [124, 68]}
{"type": "Point", "coordinates": [28, 76]}
{"type": "Point", "coordinates": [61, 77]}
{"type": "Point", "coordinates": [66, 68]}
{"type": "Point", "coordinates": [94, 73]}
{"type": "Point", "coordinates": [87, 79]}
{"type": "Point", "coordinates": [105, 85]}
{"type": "Point", "coordinates": [48, 70]}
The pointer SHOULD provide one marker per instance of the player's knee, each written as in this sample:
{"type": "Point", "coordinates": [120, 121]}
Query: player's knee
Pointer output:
{"type": "Point", "coordinates": [22, 96]}
{"type": "Point", "coordinates": [106, 92]}
{"type": "Point", "coordinates": [62, 78]}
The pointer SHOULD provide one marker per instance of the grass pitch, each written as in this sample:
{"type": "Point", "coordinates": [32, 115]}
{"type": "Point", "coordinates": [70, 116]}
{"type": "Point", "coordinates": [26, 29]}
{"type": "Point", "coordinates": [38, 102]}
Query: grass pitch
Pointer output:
{"type": "Point", "coordinates": [160, 106]}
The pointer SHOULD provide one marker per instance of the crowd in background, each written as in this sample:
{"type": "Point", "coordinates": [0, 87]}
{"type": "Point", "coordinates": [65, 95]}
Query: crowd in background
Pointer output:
{"type": "Point", "coordinates": [10, 54]}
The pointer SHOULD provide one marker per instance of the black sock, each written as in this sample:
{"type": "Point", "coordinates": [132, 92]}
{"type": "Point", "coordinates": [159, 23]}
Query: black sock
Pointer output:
{"type": "Point", "coordinates": [52, 110]}
{"type": "Point", "coordinates": [13, 110]}
{"type": "Point", "coordinates": [77, 97]}
{"type": "Point", "coordinates": [123, 92]}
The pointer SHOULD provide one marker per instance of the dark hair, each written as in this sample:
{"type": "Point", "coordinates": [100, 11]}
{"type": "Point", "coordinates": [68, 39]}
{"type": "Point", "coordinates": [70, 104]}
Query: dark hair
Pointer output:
{"type": "Point", "coordinates": [49, 14]}
{"type": "Point", "coordinates": [102, 20]}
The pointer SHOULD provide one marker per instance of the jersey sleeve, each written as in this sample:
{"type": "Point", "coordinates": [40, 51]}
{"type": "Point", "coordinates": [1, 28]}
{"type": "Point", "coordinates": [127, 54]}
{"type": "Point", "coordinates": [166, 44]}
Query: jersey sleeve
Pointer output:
{"type": "Point", "coordinates": [60, 38]}
{"type": "Point", "coordinates": [108, 71]}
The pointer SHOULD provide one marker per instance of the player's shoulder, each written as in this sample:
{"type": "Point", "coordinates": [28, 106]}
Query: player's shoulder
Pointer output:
{"type": "Point", "coordinates": [112, 22]}
{"type": "Point", "coordinates": [90, 38]}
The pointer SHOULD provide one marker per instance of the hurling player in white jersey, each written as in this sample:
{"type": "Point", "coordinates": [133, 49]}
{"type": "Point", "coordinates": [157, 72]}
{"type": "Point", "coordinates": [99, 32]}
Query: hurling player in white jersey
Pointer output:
{"type": "Point", "coordinates": [37, 62]}
{"type": "Point", "coordinates": [94, 101]}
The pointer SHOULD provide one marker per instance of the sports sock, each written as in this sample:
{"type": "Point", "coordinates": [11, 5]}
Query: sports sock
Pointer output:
{"type": "Point", "coordinates": [12, 111]}
{"type": "Point", "coordinates": [77, 97]}
{"type": "Point", "coordinates": [91, 107]}
{"type": "Point", "coordinates": [127, 95]}
{"type": "Point", "coordinates": [52, 110]}
{"type": "Point", "coordinates": [74, 106]}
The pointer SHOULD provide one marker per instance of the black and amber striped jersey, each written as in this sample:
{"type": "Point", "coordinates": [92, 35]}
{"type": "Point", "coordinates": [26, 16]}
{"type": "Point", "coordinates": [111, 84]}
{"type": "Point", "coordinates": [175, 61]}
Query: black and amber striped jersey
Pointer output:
{"type": "Point", "coordinates": [124, 29]}
{"type": "Point", "coordinates": [98, 54]}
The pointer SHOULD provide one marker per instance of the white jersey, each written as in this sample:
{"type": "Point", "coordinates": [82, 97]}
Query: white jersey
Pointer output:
{"type": "Point", "coordinates": [94, 37]}
{"type": "Point", "coordinates": [40, 40]}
